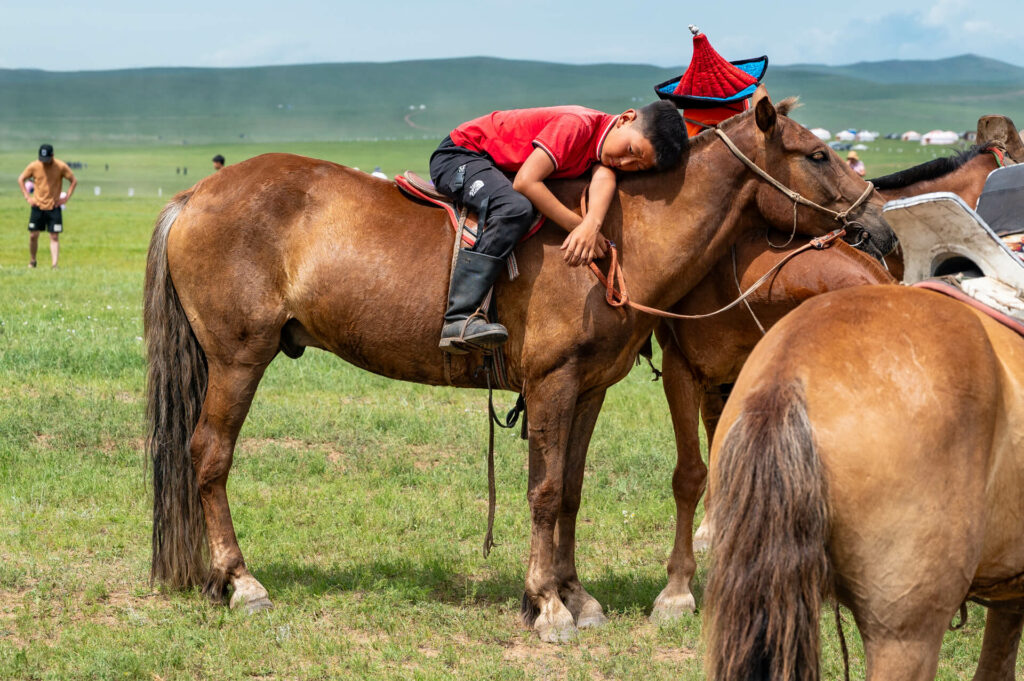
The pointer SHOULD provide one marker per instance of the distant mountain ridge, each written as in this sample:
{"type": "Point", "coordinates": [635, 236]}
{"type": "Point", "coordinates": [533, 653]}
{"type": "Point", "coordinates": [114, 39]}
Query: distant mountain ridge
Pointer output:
{"type": "Point", "coordinates": [427, 98]}
{"type": "Point", "coordinates": [966, 68]}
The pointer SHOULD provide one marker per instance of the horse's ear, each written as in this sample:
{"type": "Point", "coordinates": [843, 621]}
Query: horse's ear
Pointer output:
{"type": "Point", "coordinates": [1002, 131]}
{"type": "Point", "coordinates": [764, 110]}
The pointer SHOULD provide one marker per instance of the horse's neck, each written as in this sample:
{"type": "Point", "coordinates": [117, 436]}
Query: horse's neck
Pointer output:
{"type": "Point", "coordinates": [668, 245]}
{"type": "Point", "coordinates": [966, 181]}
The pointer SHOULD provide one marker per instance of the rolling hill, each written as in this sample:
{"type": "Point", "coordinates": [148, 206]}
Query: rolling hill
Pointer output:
{"type": "Point", "coordinates": [425, 99]}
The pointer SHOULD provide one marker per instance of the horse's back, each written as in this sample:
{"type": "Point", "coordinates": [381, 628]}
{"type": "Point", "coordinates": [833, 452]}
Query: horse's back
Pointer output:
{"type": "Point", "coordinates": [282, 237]}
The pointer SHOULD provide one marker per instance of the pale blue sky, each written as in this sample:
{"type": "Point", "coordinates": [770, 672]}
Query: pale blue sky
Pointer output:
{"type": "Point", "coordinates": [108, 34]}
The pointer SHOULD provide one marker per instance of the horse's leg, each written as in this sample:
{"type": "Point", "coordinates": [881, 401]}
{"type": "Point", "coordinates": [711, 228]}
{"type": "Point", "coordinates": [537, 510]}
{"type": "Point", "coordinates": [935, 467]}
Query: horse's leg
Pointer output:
{"type": "Point", "coordinates": [584, 607]}
{"type": "Point", "coordinates": [711, 405]}
{"type": "Point", "coordinates": [999, 649]}
{"type": "Point", "coordinates": [903, 658]}
{"type": "Point", "coordinates": [550, 402]}
{"type": "Point", "coordinates": [682, 391]}
{"type": "Point", "coordinates": [230, 392]}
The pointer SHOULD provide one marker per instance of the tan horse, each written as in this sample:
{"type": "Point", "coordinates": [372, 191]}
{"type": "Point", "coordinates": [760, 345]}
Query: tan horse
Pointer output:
{"type": "Point", "coordinates": [700, 356]}
{"type": "Point", "coordinates": [871, 450]}
{"type": "Point", "coordinates": [283, 252]}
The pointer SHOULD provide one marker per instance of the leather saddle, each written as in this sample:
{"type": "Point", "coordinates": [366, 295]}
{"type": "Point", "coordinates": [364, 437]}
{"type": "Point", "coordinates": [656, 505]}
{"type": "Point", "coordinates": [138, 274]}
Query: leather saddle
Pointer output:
{"type": "Point", "coordinates": [421, 189]}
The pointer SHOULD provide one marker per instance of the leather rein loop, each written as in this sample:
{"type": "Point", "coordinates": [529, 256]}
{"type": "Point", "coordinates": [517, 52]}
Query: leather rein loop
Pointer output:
{"type": "Point", "coordinates": [620, 297]}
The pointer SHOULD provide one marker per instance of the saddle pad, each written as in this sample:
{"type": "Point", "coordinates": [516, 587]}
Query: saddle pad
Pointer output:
{"type": "Point", "coordinates": [417, 188]}
{"type": "Point", "coordinates": [946, 288]}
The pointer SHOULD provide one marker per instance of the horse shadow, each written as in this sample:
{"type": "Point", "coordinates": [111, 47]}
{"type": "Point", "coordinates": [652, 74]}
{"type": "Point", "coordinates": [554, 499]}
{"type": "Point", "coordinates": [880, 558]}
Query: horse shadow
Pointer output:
{"type": "Point", "coordinates": [435, 579]}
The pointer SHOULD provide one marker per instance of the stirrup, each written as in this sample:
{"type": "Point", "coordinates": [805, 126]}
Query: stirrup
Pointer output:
{"type": "Point", "coordinates": [460, 344]}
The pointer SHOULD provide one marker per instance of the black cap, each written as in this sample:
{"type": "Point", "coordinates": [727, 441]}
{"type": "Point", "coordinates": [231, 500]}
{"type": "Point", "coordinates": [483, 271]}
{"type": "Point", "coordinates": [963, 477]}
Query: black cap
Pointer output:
{"type": "Point", "coordinates": [46, 153]}
{"type": "Point", "coordinates": [218, 159]}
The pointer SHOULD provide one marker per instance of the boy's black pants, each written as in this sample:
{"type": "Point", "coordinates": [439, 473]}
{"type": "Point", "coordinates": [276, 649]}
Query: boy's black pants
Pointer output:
{"type": "Point", "coordinates": [472, 179]}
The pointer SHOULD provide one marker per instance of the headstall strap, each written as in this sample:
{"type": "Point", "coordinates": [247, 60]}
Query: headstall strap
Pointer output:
{"type": "Point", "coordinates": [620, 297]}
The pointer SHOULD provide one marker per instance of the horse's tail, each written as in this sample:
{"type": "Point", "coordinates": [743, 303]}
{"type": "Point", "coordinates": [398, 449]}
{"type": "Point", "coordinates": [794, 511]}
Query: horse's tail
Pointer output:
{"type": "Point", "coordinates": [176, 387]}
{"type": "Point", "coordinates": [771, 523]}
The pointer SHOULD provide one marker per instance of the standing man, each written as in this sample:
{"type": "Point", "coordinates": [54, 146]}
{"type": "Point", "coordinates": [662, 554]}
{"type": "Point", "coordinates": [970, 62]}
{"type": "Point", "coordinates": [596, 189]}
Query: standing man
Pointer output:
{"type": "Point", "coordinates": [218, 162]}
{"type": "Point", "coordinates": [48, 173]}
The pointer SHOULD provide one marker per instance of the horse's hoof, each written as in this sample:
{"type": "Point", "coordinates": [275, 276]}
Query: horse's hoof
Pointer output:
{"type": "Point", "coordinates": [557, 634]}
{"type": "Point", "coordinates": [251, 595]}
{"type": "Point", "coordinates": [555, 624]}
{"type": "Point", "coordinates": [669, 608]}
{"type": "Point", "coordinates": [259, 605]}
{"type": "Point", "coordinates": [591, 616]}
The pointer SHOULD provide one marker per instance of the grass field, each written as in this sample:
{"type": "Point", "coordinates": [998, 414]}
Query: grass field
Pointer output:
{"type": "Point", "coordinates": [360, 502]}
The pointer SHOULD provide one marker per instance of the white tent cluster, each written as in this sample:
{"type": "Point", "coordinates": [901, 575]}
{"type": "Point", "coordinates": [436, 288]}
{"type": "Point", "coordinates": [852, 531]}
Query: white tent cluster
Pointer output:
{"type": "Point", "coordinates": [852, 135]}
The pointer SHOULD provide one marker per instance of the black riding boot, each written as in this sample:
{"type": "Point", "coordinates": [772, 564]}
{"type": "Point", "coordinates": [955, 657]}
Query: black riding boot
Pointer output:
{"type": "Point", "coordinates": [464, 322]}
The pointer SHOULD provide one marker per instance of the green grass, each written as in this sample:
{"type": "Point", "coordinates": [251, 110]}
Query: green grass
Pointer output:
{"type": "Point", "coordinates": [360, 502]}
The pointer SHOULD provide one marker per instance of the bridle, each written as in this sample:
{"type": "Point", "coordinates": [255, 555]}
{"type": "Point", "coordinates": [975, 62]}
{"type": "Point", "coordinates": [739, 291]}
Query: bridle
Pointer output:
{"type": "Point", "coordinates": [619, 297]}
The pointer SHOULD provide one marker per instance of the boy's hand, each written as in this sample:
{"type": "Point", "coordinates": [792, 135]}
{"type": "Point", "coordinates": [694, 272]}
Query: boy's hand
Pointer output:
{"type": "Point", "coordinates": [583, 244]}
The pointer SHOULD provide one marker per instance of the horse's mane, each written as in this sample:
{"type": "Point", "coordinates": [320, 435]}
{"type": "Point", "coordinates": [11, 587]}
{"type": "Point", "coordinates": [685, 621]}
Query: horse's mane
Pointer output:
{"type": "Point", "coordinates": [707, 135]}
{"type": "Point", "coordinates": [930, 170]}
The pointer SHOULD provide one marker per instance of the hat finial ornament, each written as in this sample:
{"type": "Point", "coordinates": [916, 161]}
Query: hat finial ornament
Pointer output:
{"type": "Point", "coordinates": [694, 30]}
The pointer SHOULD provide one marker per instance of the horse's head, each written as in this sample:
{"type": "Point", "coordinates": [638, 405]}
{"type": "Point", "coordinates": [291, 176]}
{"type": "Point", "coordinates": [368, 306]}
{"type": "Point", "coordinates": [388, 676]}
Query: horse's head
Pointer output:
{"type": "Point", "coordinates": [806, 166]}
{"type": "Point", "coordinates": [1000, 130]}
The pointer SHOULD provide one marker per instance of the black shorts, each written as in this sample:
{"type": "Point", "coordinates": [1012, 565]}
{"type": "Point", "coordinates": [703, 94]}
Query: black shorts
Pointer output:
{"type": "Point", "coordinates": [50, 220]}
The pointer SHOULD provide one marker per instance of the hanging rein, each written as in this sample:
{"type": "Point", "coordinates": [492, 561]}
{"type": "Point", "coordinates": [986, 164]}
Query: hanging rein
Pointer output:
{"type": "Point", "coordinates": [619, 297]}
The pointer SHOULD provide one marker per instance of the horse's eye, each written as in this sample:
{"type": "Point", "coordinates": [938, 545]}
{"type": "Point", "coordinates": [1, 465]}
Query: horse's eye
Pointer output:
{"type": "Point", "coordinates": [818, 156]}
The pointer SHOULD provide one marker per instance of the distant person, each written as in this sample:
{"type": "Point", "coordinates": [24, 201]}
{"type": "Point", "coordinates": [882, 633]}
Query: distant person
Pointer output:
{"type": "Point", "coordinates": [218, 162]}
{"type": "Point", "coordinates": [377, 172]}
{"type": "Point", "coordinates": [48, 174]}
{"type": "Point", "coordinates": [858, 165]}
{"type": "Point", "coordinates": [184, 170]}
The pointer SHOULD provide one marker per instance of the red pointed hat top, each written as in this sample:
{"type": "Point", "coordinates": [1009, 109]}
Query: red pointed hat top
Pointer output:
{"type": "Point", "coordinates": [709, 74]}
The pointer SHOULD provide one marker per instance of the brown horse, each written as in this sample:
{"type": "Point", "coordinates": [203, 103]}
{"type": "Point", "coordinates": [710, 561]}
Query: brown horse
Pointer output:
{"type": "Point", "coordinates": [283, 252]}
{"type": "Point", "coordinates": [870, 451]}
{"type": "Point", "coordinates": [700, 357]}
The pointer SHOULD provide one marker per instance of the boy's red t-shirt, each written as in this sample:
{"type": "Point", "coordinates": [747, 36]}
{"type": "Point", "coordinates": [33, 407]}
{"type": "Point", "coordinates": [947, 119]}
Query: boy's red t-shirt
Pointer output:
{"type": "Point", "coordinates": [570, 135]}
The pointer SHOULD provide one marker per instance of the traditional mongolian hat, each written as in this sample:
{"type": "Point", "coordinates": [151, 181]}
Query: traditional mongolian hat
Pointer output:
{"type": "Point", "coordinates": [712, 89]}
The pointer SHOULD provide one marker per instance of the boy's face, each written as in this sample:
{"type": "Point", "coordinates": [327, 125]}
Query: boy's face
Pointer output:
{"type": "Point", "coordinates": [625, 147]}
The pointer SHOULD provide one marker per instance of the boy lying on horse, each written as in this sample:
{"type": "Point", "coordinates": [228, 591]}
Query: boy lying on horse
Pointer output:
{"type": "Point", "coordinates": [537, 144]}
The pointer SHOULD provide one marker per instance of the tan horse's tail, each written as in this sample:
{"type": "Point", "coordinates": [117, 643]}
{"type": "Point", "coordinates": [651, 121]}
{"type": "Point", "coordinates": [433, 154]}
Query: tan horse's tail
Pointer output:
{"type": "Point", "coordinates": [176, 387]}
{"type": "Point", "coordinates": [771, 522]}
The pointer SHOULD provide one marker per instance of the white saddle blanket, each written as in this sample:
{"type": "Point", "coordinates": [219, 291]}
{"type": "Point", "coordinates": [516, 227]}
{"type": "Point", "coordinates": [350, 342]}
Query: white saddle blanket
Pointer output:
{"type": "Point", "coordinates": [939, 234]}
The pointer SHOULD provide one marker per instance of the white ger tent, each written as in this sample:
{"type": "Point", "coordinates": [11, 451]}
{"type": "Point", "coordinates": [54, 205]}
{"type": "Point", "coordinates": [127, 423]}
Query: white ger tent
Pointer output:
{"type": "Point", "coordinates": [821, 133]}
{"type": "Point", "coordinates": [911, 136]}
{"type": "Point", "coordinates": [845, 136]}
{"type": "Point", "coordinates": [940, 137]}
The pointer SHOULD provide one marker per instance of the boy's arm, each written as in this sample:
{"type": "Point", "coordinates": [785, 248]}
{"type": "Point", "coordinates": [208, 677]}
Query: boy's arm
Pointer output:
{"type": "Point", "coordinates": [25, 174]}
{"type": "Point", "coordinates": [587, 243]}
{"type": "Point", "coordinates": [529, 182]}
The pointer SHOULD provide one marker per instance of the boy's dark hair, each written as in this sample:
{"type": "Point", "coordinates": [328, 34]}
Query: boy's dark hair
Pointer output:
{"type": "Point", "coordinates": [661, 123]}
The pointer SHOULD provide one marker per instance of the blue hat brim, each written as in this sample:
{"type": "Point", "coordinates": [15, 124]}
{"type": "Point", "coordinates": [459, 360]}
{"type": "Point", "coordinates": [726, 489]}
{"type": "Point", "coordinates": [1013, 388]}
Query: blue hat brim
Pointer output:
{"type": "Point", "coordinates": [756, 67]}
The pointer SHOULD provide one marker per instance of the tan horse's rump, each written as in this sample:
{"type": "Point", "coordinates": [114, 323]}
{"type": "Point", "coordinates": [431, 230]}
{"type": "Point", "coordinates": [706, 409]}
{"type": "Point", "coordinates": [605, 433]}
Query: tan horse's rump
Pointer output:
{"type": "Point", "coordinates": [908, 409]}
